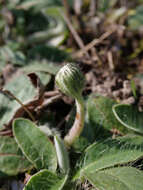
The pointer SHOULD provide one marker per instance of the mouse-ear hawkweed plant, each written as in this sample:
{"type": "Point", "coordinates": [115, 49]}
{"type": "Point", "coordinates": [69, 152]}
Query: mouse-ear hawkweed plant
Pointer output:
{"type": "Point", "coordinates": [70, 81]}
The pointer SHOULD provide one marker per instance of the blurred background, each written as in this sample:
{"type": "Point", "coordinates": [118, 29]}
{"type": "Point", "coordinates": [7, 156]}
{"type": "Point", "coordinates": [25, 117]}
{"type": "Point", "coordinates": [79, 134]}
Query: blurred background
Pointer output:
{"type": "Point", "coordinates": [96, 32]}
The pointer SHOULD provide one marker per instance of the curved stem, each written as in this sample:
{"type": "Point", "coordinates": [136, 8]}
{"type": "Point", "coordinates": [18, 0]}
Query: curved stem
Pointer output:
{"type": "Point", "coordinates": [78, 125]}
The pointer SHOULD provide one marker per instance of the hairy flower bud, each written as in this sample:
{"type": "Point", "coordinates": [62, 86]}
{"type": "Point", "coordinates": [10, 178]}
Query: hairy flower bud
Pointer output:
{"type": "Point", "coordinates": [70, 80]}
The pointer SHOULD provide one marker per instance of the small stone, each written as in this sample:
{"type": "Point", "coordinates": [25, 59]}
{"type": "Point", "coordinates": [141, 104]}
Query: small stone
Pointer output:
{"type": "Point", "coordinates": [117, 93]}
{"type": "Point", "coordinates": [130, 100]}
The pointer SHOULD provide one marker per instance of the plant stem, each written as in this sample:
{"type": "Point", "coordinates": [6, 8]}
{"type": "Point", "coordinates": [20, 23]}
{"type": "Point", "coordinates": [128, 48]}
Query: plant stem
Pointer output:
{"type": "Point", "coordinates": [78, 125]}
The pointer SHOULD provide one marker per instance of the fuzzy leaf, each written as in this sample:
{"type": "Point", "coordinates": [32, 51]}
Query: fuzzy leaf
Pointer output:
{"type": "Point", "coordinates": [112, 152]}
{"type": "Point", "coordinates": [120, 178]}
{"type": "Point", "coordinates": [34, 144]}
{"type": "Point", "coordinates": [45, 180]}
{"type": "Point", "coordinates": [12, 161]}
{"type": "Point", "coordinates": [44, 77]}
{"type": "Point", "coordinates": [8, 55]}
{"type": "Point", "coordinates": [129, 116]}
{"type": "Point", "coordinates": [101, 117]}
{"type": "Point", "coordinates": [62, 154]}
{"type": "Point", "coordinates": [41, 67]}
{"type": "Point", "coordinates": [46, 52]}
{"type": "Point", "coordinates": [23, 89]}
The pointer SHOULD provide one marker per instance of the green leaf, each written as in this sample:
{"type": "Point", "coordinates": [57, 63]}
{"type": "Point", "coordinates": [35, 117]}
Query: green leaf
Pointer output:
{"type": "Point", "coordinates": [41, 67]}
{"type": "Point", "coordinates": [45, 180]}
{"type": "Point", "coordinates": [100, 117]}
{"type": "Point", "coordinates": [103, 163]}
{"type": "Point", "coordinates": [38, 5]}
{"type": "Point", "coordinates": [134, 88]}
{"type": "Point", "coordinates": [23, 89]}
{"type": "Point", "coordinates": [27, 4]}
{"type": "Point", "coordinates": [62, 154]}
{"type": "Point", "coordinates": [120, 178]}
{"type": "Point", "coordinates": [12, 161]}
{"type": "Point", "coordinates": [135, 20]}
{"type": "Point", "coordinates": [55, 32]}
{"type": "Point", "coordinates": [112, 152]}
{"type": "Point", "coordinates": [48, 52]}
{"type": "Point", "coordinates": [44, 77]}
{"type": "Point", "coordinates": [7, 55]}
{"type": "Point", "coordinates": [34, 144]}
{"type": "Point", "coordinates": [129, 116]}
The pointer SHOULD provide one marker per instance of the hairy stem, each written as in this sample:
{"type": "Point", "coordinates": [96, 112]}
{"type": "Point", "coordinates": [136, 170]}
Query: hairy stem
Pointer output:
{"type": "Point", "coordinates": [77, 127]}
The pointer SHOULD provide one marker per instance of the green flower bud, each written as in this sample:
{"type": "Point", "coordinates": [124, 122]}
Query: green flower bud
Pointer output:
{"type": "Point", "coordinates": [70, 80]}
